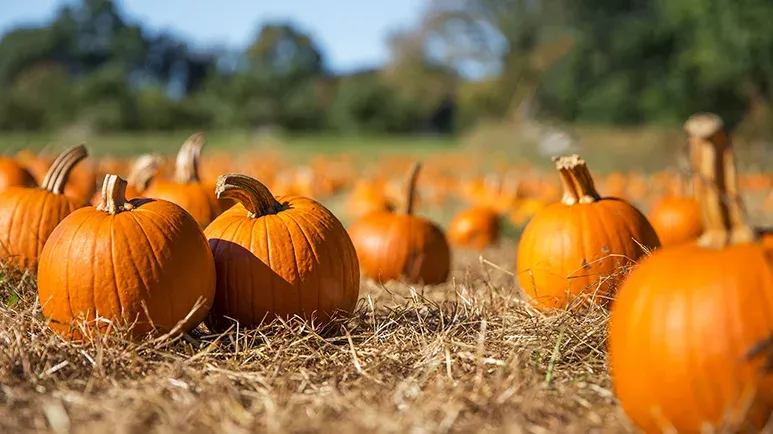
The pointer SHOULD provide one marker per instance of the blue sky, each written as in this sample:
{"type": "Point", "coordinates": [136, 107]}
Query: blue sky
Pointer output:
{"type": "Point", "coordinates": [352, 32]}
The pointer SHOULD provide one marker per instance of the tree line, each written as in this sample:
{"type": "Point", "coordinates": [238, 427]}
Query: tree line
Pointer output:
{"type": "Point", "coordinates": [597, 61]}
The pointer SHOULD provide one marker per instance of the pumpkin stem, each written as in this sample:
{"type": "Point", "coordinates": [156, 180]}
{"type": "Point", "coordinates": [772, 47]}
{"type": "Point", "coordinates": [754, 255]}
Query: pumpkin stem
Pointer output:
{"type": "Point", "coordinates": [144, 168]}
{"type": "Point", "coordinates": [250, 192]}
{"type": "Point", "coordinates": [716, 183]}
{"type": "Point", "coordinates": [60, 169]}
{"type": "Point", "coordinates": [570, 194]}
{"type": "Point", "coordinates": [114, 195]}
{"type": "Point", "coordinates": [410, 188]}
{"type": "Point", "coordinates": [187, 164]}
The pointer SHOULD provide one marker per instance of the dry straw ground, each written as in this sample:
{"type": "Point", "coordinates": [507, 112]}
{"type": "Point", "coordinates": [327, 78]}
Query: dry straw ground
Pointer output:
{"type": "Point", "coordinates": [467, 356]}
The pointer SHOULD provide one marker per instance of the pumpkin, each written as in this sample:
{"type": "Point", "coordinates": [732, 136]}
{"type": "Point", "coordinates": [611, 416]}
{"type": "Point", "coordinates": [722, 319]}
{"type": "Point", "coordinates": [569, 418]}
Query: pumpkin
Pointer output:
{"type": "Point", "coordinates": [391, 245]}
{"type": "Point", "coordinates": [676, 220]}
{"type": "Point", "coordinates": [573, 252]}
{"type": "Point", "coordinates": [142, 171]}
{"type": "Point", "coordinates": [278, 256]}
{"type": "Point", "coordinates": [477, 227]}
{"type": "Point", "coordinates": [13, 174]}
{"type": "Point", "coordinates": [144, 261]}
{"type": "Point", "coordinates": [29, 215]}
{"type": "Point", "coordinates": [691, 332]}
{"type": "Point", "coordinates": [185, 189]}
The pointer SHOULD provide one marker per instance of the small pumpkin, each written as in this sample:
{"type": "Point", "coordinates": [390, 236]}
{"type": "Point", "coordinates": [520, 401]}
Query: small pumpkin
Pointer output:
{"type": "Point", "coordinates": [576, 249]}
{"type": "Point", "coordinates": [278, 256]}
{"type": "Point", "coordinates": [391, 245]}
{"type": "Point", "coordinates": [13, 174]}
{"type": "Point", "coordinates": [124, 260]}
{"type": "Point", "coordinates": [477, 227]}
{"type": "Point", "coordinates": [691, 332]}
{"type": "Point", "coordinates": [186, 189]}
{"type": "Point", "coordinates": [676, 217]}
{"type": "Point", "coordinates": [29, 215]}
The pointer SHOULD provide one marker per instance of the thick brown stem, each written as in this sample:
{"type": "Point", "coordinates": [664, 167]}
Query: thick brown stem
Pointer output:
{"type": "Point", "coordinates": [577, 180]}
{"type": "Point", "coordinates": [114, 195]}
{"type": "Point", "coordinates": [60, 169]}
{"type": "Point", "coordinates": [716, 183]}
{"type": "Point", "coordinates": [255, 197]}
{"type": "Point", "coordinates": [410, 188]}
{"type": "Point", "coordinates": [187, 164]}
{"type": "Point", "coordinates": [144, 168]}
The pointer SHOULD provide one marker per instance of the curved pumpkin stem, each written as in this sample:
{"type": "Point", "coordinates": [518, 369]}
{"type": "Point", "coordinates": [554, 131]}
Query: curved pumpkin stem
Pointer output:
{"type": "Point", "coordinates": [250, 192]}
{"type": "Point", "coordinates": [114, 195]}
{"type": "Point", "coordinates": [410, 188]}
{"type": "Point", "coordinates": [186, 168]}
{"type": "Point", "coordinates": [144, 168]}
{"type": "Point", "coordinates": [716, 183]}
{"type": "Point", "coordinates": [60, 169]}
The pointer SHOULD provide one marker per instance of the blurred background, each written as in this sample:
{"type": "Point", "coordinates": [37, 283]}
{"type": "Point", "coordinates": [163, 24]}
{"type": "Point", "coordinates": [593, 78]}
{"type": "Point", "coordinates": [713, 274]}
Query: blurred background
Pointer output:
{"type": "Point", "coordinates": [497, 83]}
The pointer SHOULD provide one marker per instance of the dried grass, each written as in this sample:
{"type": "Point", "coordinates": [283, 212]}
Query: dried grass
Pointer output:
{"type": "Point", "coordinates": [468, 356]}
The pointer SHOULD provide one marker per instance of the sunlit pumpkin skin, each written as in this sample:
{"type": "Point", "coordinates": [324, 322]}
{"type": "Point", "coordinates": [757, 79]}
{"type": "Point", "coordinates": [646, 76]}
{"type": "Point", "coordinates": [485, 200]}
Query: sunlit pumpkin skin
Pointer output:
{"type": "Point", "coordinates": [278, 256]}
{"type": "Point", "coordinates": [691, 331]}
{"type": "Point", "coordinates": [186, 190]}
{"type": "Point", "coordinates": [116, 260]}
{"type": "Point", "coordinates": [476, 228]}
{"type": "Point", "coordinates": [575, 252]}
{"type": "Point", "coordinates": [13, 174]}
{"type": "Point", "coordinates": [29, 215]}
{"type": "Point", "coordinates": [676, 220]}
{"type": "Point", "coordinates": [391, 246]}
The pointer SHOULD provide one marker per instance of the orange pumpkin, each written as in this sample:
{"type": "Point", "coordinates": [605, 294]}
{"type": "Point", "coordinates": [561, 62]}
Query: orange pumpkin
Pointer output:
{"type": "Point", "coordinates": [29, 215]}
{"type": "Point", "coordinates": [124, 260]}
{"type": "Point", "coordinates": [477, 227]}
{"type": "Point", "coordinates": [691, 332]}
{"type": "Point", "coordinates": [676, 220]}
{"type": "Point", "coordinates": [13, 174]}
{"type": "Point", "coordinates": [394, 245]}
{"type": "Point", "coordinates": [278, 256]}
{"type": "Point", "coordinates": [574, 251]}
{"type": "Point", "coordinates": [186, 190]}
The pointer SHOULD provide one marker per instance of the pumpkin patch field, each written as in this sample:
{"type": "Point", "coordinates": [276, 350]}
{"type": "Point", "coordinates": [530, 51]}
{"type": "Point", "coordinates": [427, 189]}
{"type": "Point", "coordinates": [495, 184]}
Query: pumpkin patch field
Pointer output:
{"type": "Point", "coordinates": [197, 282]}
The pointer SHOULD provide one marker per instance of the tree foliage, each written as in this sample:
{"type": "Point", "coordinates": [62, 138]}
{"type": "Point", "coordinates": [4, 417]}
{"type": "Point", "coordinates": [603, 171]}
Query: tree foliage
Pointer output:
{"type": "Point", "coordinates": [601, 61]}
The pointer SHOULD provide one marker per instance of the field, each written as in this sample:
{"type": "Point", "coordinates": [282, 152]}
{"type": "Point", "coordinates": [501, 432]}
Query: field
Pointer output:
{"type": "Point", "coordinates": [465, 356]}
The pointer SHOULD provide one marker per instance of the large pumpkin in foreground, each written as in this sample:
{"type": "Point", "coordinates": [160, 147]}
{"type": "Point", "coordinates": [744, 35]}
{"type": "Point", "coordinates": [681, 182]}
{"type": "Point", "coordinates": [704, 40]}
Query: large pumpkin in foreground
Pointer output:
{"type": "Point", "coordinates": [124, 260]}
{"type": "Point", "coordinates": [691, 332]}
{"type": "Point", "coordinates": [278, 256]}
{"type": "Point", "coordinates": [29, 215]}
{"type": "Point", "coordinates": [394, 245]}
{"type": "Point", "coordinates": [186, 189]}
{"type": "Point", "coordinates": [577, 250]}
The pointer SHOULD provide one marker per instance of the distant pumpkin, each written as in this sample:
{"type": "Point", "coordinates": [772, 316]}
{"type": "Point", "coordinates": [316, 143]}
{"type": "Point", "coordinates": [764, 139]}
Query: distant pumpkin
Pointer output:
{"type": "Point", "coordinates": [394, 245]}
{"type": "Point", "coordinates": [186, 189]}
{"type": "Point", "coordinates": [676, 220]}
{"type": "Point", "coordinates": [477, 227]}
